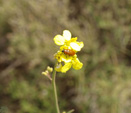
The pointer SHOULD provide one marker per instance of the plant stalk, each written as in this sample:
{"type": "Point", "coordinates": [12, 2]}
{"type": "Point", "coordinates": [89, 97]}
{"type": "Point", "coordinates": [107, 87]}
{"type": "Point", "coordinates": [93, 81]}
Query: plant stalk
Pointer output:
{"type": "Point", "coordinates": [55, 91]}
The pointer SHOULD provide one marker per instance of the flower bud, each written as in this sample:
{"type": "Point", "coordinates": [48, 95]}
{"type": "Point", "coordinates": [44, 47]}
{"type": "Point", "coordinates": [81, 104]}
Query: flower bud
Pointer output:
{"type": "Point", "coordinates": [50, 69]}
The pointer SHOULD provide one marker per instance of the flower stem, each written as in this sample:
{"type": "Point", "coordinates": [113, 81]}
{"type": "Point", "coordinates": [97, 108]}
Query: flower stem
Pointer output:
{"type": "Point", "coordinates": [55, 91]}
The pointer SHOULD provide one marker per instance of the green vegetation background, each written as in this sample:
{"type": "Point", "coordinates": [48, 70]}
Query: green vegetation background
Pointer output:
{"type": "Point", "coordinates": [27, 28]}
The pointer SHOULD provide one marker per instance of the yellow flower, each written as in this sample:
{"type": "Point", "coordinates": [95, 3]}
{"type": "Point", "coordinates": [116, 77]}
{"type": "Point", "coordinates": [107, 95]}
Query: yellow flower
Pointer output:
{"type": "Point", "coordinates": [66, 60]}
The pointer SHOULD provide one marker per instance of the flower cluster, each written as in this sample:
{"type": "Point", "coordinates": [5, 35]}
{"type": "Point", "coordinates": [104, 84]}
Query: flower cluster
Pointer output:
{"type": "Point", "coordinates": [66, 56]}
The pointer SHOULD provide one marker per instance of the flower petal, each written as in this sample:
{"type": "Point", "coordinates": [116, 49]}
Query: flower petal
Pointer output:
{"type": "Point", "coordinates": [58, 67]}
{"type": "Point", "coordinates": [81, 44]}
{"type": "Point", "coordinates": [59, 40]}
{"type": "Point", "coordinates": [67, 35]}
{"type": "Point", "coordinates": [66, 67]}
{"type": "Point", "coordinates": [77, 64]}
{"type": "Point", "coordinates": [76, 45]}
{"type": "Point", "coordinates": [66, 58]}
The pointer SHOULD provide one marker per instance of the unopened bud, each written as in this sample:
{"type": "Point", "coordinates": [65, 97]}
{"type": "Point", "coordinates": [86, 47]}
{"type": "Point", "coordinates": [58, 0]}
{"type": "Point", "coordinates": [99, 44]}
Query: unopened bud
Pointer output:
{"type": "Point", "coordinates": [50, 69]}
{"type": "Point", "coordinates": [45, 73]}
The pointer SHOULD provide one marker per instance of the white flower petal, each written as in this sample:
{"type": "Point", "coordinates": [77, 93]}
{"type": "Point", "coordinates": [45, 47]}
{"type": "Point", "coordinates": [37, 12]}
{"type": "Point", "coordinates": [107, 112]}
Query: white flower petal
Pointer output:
{"type": "Point", "coordinates": [75, 46]}
{"type": "Point", "coordinates": [67, 34]}
{"type": "Point", "coordinates": [66, 60]}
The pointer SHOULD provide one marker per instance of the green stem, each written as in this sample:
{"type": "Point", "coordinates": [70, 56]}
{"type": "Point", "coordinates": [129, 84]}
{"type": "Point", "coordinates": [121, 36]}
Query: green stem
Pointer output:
{"type": "Point", "coordinates": [55, 91]}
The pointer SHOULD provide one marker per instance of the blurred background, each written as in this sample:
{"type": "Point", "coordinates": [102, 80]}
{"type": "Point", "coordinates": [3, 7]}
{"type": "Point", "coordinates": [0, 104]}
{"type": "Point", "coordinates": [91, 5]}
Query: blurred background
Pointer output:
{"type": "Point", "coordinates": [27, 29]}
